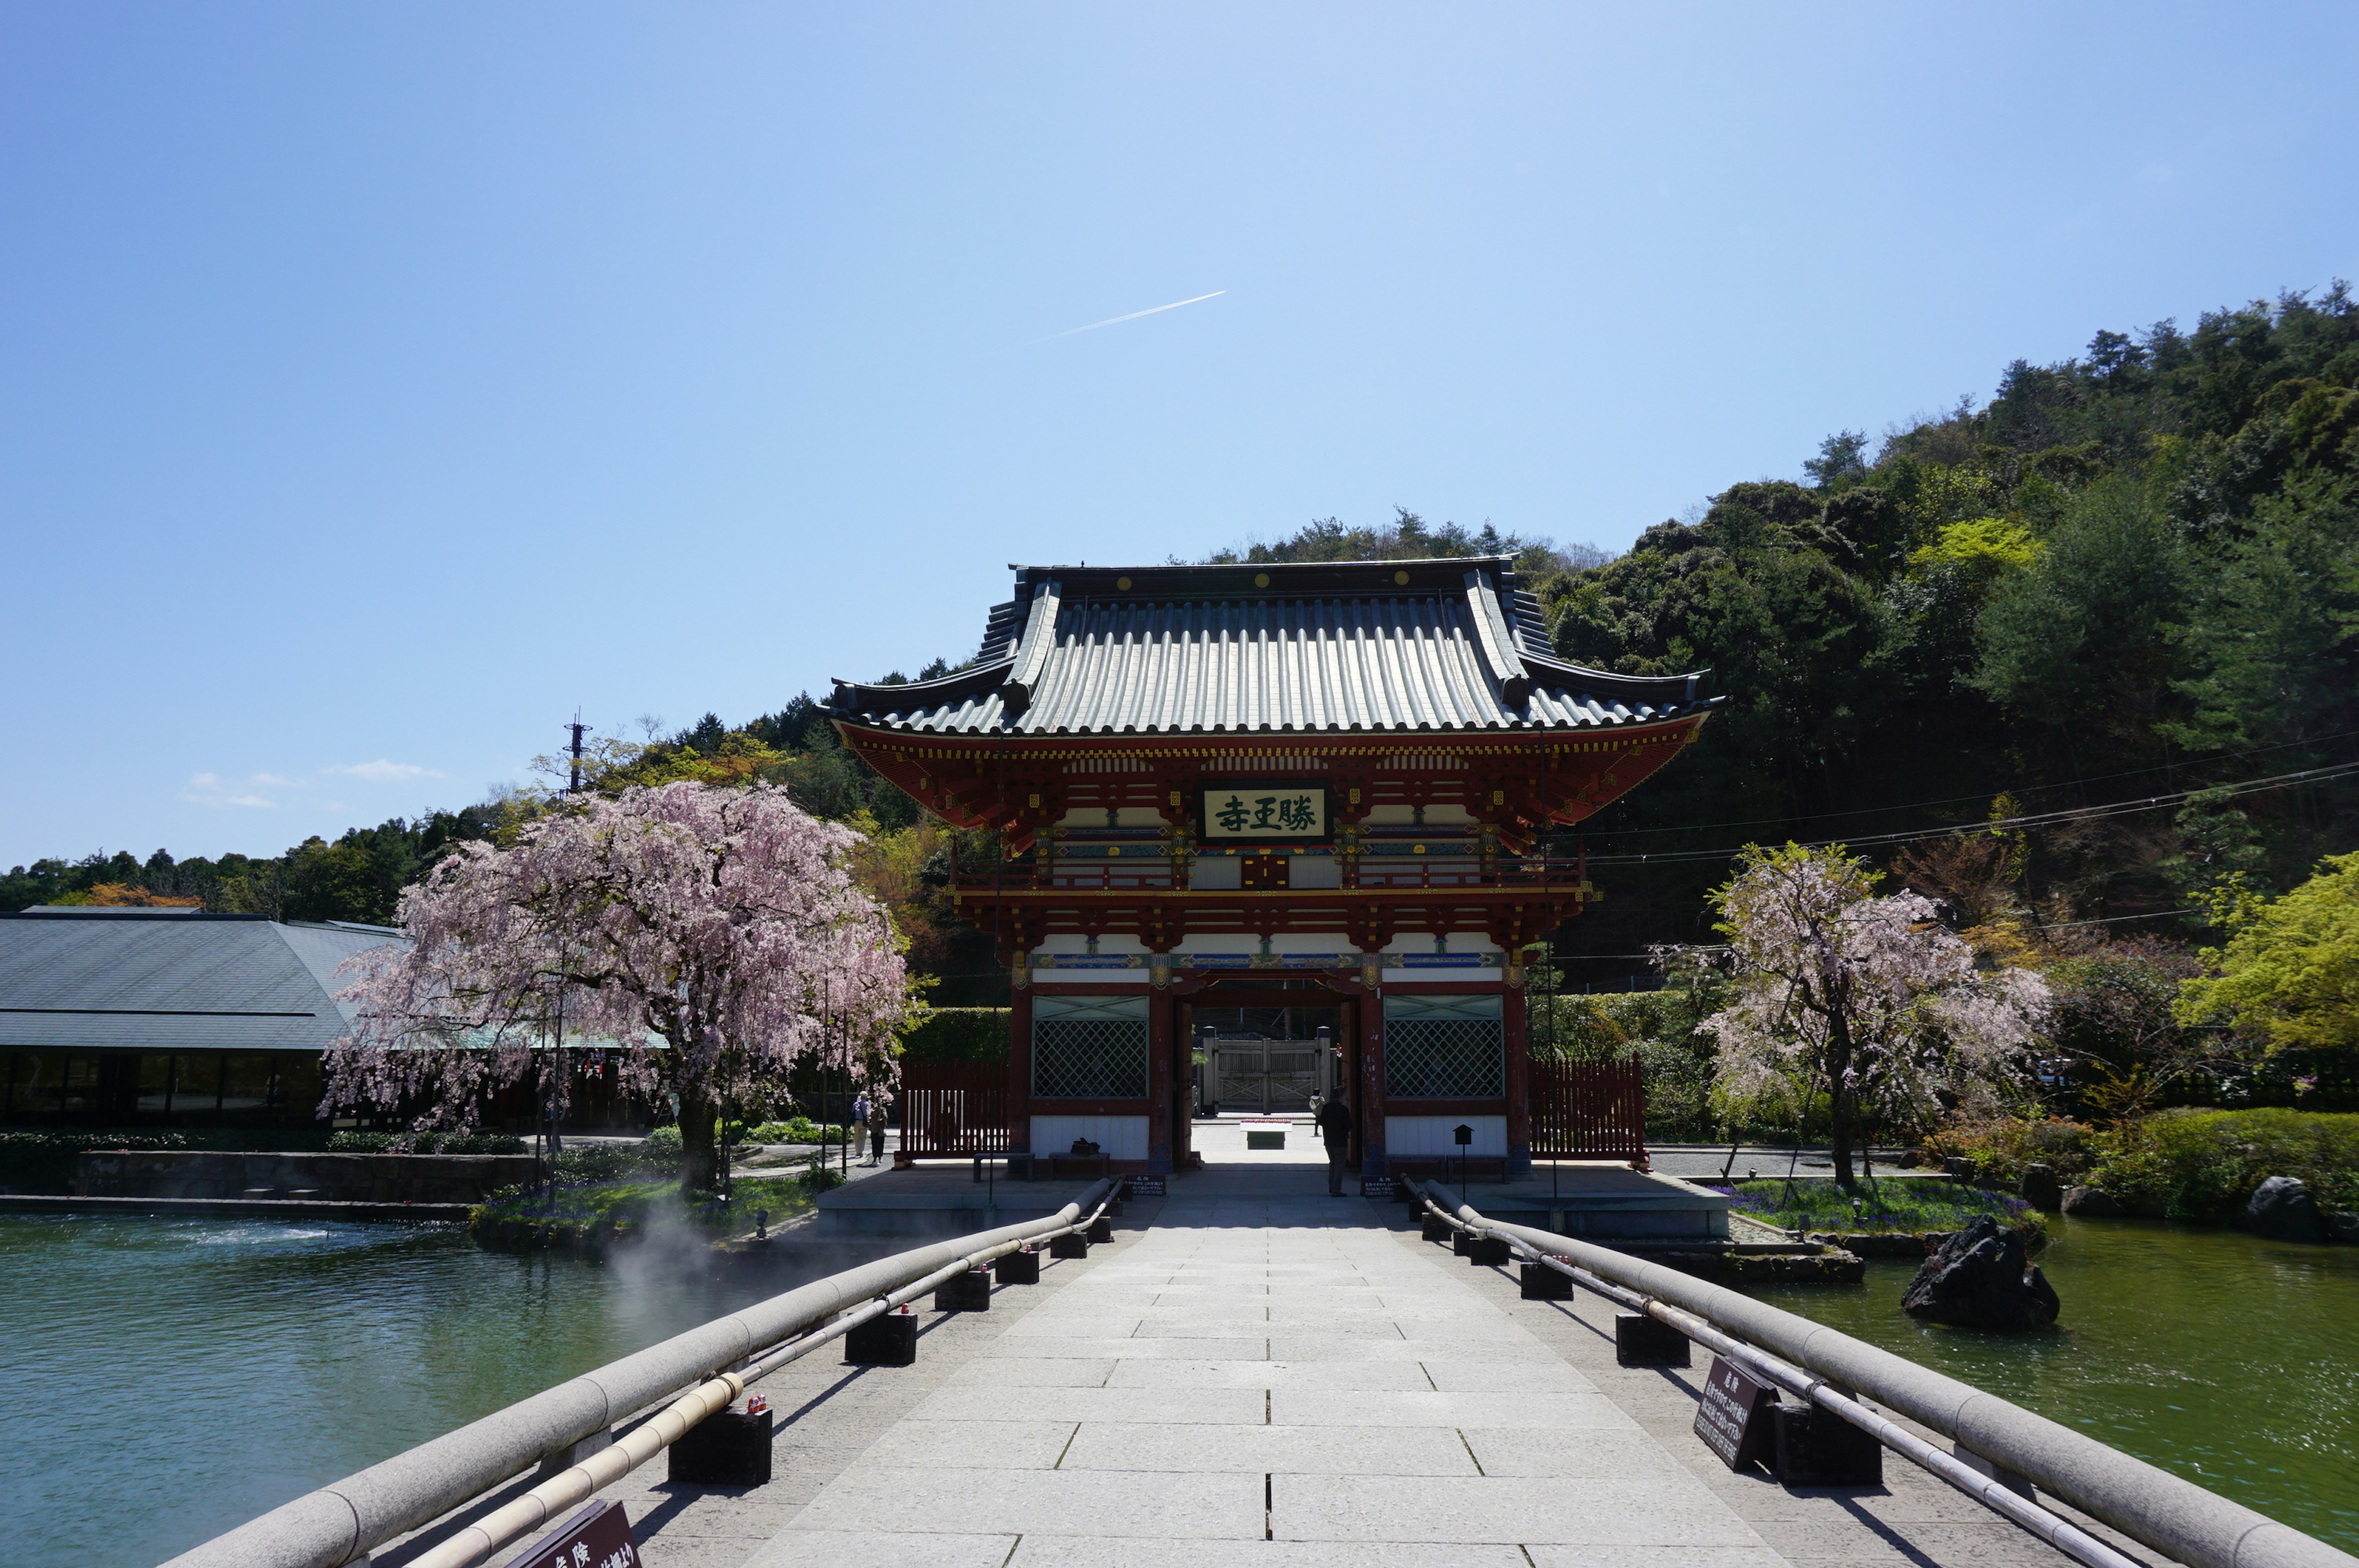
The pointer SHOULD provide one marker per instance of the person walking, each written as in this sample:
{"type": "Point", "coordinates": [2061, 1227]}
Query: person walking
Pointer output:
{"type": "Point", "coordinates": [858, 1119]}
{"type": "Point", "coordinates": [1335, 1130]}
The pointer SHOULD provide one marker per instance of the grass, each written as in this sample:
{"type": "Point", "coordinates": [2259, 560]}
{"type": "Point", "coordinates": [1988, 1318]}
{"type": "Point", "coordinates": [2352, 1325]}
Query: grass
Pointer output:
{"type": "Point", "coordinates": [1912, 1204]}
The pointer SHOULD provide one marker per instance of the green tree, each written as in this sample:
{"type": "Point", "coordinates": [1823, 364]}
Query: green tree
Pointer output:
{"type": "Point", "coordinates": [2288, 977]}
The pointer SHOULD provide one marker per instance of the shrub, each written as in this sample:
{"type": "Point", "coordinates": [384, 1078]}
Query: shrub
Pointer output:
{"type": "Point", "coordinates": [2204, 1164]}
{"type": "Point", "coordinates": [1998, 1149]}
{"type": "Point", "coordinates": [349, 1142]}
{"type": "Point", "coordinates": [1909, 1204]}
{"type": "Point", "coordinates": [44, 1157]}
{"type": "Point", "coordinates": [797, 1130]}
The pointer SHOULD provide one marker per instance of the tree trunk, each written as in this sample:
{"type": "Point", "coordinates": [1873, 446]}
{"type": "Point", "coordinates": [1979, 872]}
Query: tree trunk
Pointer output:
{"type": "Point", "coordinates": [1841, 1131]}
{"type": "Point", "coordinates": [700, 1156]}
{"type": "Point", "coordinates": [1839, 1094]}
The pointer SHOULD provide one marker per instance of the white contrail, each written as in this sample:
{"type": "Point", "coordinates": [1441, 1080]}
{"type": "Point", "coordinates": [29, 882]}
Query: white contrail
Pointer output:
{"type": "Point", "coordinates": [1117, 320]}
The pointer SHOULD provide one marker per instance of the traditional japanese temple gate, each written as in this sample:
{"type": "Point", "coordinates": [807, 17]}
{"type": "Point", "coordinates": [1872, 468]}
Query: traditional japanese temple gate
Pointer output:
{"type": "Point", "coordinates": [1314, 785]}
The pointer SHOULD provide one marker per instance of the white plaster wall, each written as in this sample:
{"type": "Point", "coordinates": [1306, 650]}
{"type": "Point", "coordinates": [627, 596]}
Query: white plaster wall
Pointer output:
{"type": "Point", "coordinates": [1122, 1137]}
{"type": "Point", "coordinates": [1074, 942]}
{"type": "Point", "coordinates": [1435, 815]}
{"type": "Point", "coordinates": [1426, 1137]}
{"type": "Point", "coordinates": [1218, 871]}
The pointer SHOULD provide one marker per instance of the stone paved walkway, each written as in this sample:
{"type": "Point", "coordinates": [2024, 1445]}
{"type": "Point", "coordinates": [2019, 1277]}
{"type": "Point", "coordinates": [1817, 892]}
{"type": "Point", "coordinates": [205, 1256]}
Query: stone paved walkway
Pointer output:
{"type": "Point", "coordinates": [1263, 1374]}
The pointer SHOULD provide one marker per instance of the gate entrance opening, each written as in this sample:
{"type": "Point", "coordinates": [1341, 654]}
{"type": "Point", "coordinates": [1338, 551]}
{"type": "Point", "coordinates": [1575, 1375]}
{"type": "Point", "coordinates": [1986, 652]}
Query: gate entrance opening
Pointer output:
{"type": "Point", "coordinates": [1265, 1059]}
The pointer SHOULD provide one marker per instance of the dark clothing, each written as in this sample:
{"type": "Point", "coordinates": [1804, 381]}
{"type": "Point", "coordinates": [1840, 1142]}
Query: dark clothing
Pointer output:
{"type": "Point", "coordinates": [1335, 1124]}
{"type": "Point", "coordinates": [1335, 1130]}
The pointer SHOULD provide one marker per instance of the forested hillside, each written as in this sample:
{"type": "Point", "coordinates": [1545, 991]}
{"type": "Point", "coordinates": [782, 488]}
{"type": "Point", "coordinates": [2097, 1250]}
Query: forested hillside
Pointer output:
{"type": "Point", "coordinates": [2131, 575]}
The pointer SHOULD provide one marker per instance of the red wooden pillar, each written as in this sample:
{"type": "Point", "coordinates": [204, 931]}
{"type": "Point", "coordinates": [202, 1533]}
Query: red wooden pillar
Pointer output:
{"type": "Point", "coordinates": [1019, 1065]}
{"type": "Point", "coordinates": [1159, 1080]}
{"type": "Point", "coordinates": [1519, 1083]}
{"type": "Point", "coordinates": [1372, 1083]}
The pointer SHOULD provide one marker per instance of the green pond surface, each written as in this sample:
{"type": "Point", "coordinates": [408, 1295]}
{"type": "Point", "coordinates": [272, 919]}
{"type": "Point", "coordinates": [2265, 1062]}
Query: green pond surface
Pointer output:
{"type": "Point", "coordinates": [164, 1380]}
{"type": "Point", "coordinates": [2232, 1361]}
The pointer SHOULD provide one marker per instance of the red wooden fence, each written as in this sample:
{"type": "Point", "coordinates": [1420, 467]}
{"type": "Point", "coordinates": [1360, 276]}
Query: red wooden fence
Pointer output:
{"type": "Point", "coordinates": [1589, 1111]}
{"type": "Point", "coordinates": [952, 1110]}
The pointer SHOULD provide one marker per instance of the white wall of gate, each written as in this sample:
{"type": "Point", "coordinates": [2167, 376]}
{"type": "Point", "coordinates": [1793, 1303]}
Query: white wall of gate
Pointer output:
{"type": "Point", "coordinates": [1121, 1137]}
{"type": "Point", "coordinates": [1426, 1137]}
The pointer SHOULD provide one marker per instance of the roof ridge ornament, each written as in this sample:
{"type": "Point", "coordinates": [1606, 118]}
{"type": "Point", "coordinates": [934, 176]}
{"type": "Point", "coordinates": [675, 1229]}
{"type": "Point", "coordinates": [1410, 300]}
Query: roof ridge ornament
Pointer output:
{"type": "Point", "coordinates": [1499, 644]}
{"type": "Point", "coordinates": [1032, 648]}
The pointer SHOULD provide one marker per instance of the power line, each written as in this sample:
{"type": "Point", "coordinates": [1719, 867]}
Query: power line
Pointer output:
{"type": "Point", "coordinates": [1957, 799]}
{"type": "Point", "coordinates": [2012, 824]}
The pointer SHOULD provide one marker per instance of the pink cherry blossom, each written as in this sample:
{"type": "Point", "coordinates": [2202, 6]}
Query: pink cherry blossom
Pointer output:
{"type": "Point", "coordinates": [709, 937]}
{"type": "Point", "coordinates": [1867, 998]}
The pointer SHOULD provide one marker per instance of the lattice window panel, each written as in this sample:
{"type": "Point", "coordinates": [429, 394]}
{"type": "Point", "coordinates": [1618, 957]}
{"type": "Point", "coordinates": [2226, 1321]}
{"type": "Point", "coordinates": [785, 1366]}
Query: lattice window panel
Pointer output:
{"type": "Point", "coordinates": [1445, 1058]}
{"type": "Point", "coordinates": [1089, 1058]}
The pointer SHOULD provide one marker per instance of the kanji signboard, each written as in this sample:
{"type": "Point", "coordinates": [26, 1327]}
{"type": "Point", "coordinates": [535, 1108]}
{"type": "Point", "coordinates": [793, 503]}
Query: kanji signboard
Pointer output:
{"type": "Point", "coordinates": [1257, 813]}
{"type": "Point", "coordinates": [1733, 1414]}
{"type": "Point", "coordinates": [598, 1536]}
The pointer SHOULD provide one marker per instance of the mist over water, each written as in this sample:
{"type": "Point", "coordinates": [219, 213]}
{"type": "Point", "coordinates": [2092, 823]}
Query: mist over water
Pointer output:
{"type": "Point", "coordinates": [164, 1380]}
{"type": "Point", "coordinates": [2230, 1360]}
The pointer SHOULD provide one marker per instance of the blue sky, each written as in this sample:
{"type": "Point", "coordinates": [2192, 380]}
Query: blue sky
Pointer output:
{"type": "Point", "coordinates": [380, 383]}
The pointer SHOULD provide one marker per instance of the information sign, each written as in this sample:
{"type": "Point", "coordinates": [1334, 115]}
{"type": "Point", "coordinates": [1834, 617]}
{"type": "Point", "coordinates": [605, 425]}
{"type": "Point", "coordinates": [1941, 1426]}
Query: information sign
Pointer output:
{"type": "Point", "coordinates": [597, 1536]}
{"type": "Point", "coordinates": [1145, 1186]}
{"type": "Point", "coordinates": [1734, 1414]}
{"type": "Point", "coordinates": [1382, 1188]}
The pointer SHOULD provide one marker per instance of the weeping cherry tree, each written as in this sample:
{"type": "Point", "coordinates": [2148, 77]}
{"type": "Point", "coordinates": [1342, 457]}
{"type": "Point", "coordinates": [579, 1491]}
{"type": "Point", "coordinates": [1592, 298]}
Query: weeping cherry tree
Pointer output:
{"type": "Point", "coordinates": [1867, 996]}
{"type": "Point", "coordinates": [712, 937]}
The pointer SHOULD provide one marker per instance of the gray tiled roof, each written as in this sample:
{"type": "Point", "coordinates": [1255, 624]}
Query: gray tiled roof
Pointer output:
{"type": "Point", "coordinates": [201, 983]}
{"type": "Point", "coordinates": [1346, 646]}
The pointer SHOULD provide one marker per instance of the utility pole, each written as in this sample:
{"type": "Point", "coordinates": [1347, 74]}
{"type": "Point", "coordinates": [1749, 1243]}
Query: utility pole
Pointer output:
{"type": "Point", "coordinates": [573, 776]}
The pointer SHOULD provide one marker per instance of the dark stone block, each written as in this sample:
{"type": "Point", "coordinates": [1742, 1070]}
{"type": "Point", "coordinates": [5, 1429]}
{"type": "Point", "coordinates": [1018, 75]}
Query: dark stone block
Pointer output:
{"type": "Point", "coordinates": [1460, 1241]}
{"type": "Point", "coordinates": [1979, 1278]}
{"type": "Point", "coordinates": [1100, 1229]}
{"type": "Point", "coordinates": [2343, 1227]}
{"type": "Point", "coordinates": [887, 1341]}
{"type": "Point", "coordinates": [1643, 1341]}
{"type": "Point", "coordinates": [2042, 1190]}
{"type": "Point", "coordinates": [1488, 1252]}
{"type": "Point", "coordinates": [1542, 1283]}
{"type": "Point", "coordinates": [970, 1292]}
{"type": "Point", "coordinates": [1819, 1448]}
{"type": "Point", "coordinates": [1438, 1228]}
{"type": "Point", "coordinates": [1019, 1267]}
{"type": "Point", "coordinates": [2281, 1209]}
{"type": "Point", "coordinates": [728, 1448]}
{"type": "Point", "coordinates": [1072, 1244]}
{"type": "Point", "coordinates": [2092, 1203]}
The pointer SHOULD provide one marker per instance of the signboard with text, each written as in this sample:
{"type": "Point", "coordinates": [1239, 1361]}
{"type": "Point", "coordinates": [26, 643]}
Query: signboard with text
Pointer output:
{"type": "Point", "coordinates": [1277, 813]}
{"type": "Point", "coordinates": [598, 1536]}
{"type": "Point", "coordinates": [1734, 1415]}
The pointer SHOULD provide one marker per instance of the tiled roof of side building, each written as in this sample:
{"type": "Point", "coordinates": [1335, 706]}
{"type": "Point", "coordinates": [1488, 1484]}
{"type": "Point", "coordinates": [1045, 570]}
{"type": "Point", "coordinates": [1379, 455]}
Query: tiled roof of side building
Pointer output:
{"type": "Point", "coordinates": [1344, 646]}
{"type": "Point", "coordinates": [92, 980]}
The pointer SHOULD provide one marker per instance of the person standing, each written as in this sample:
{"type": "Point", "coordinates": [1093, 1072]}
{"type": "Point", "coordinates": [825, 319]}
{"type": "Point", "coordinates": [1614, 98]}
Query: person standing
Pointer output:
{"type": "Point", "coordinates": [876, 1131]}
{"type": "Point", "coordinates": [1335, 1130]}
{"type": "Point", "coordinates": [859, 1118]}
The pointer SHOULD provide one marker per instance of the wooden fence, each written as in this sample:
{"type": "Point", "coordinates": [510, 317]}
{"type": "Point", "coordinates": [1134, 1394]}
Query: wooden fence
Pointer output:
{"type": "Point", "coordinates": [1589, 1111]}
{"type": "Point", "coordinates": [952, 1110]}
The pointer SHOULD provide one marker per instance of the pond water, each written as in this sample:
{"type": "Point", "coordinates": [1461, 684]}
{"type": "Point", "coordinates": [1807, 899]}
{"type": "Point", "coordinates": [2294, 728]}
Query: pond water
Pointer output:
{"type": "Point", "coordinates": [164, 1380]}
{"type": "Point", "coordinates": [2232, 1361]}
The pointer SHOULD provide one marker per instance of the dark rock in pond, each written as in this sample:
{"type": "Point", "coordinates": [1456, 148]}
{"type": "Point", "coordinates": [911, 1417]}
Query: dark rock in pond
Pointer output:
{"type": "Point", "coordinates": [2040, 1188]}
{"type": "Point", "coordinates": [2343, 1228]}
{"type": "Point", "coordinates": [1979, 1278]}
{"type": "Point", "coordinates": [2092, 1201]}
{"type": "Point", "coordinates": [2282, 1210]}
